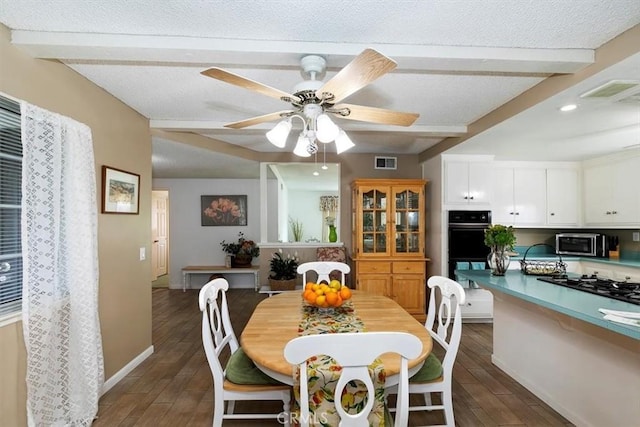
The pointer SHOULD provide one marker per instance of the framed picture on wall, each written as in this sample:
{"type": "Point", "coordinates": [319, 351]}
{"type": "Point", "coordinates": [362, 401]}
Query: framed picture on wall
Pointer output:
{"type": "Point", "coordinates": [223, 210]}
{"type": "Point", "coordinates": [120, 191]}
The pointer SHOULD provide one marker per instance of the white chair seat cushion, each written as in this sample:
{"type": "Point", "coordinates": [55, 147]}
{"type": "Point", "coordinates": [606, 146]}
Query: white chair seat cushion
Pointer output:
{"type": "Point", "coordinates": [241, 370]}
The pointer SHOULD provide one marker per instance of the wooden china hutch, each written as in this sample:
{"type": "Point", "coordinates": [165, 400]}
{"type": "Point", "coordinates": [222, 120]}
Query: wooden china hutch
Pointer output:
{"type": "Point", "coordinates": [389, 240]}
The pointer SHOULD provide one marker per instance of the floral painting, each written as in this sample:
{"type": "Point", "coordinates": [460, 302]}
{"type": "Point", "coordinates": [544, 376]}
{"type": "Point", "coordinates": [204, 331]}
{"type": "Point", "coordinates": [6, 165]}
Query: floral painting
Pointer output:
{"type": "Point", "coordinates": [224, 210]}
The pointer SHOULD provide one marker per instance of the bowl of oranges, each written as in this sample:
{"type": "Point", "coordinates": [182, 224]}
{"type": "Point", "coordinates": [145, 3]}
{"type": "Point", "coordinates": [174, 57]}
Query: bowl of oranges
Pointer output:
{"type": "Point", "coordinates": [326, 295]}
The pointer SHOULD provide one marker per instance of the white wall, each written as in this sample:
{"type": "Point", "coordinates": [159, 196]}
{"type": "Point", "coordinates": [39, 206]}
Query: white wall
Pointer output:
{"type": "Point", "coordinates": [193, 244]}
{"type": "Point", "coordinates": [306, 208]}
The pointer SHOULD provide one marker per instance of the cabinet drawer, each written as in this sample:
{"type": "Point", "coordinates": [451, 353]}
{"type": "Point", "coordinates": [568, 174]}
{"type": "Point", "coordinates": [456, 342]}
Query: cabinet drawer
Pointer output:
{"type": "Point", "coordinates": [374, 267]}
{"type": "Point", "coordinates": [413, 267]}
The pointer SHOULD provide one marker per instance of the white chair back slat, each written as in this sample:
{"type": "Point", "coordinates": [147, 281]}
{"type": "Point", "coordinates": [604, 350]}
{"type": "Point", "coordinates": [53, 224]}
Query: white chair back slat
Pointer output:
{"type": "Point", "coordinates": [217, 336]}
{"type": "Point", "coordinates": [323, 269]}
{"type": "Point", "coordinates": [444, 313]}
{"type": "Point", "coordinates": [354, 352]}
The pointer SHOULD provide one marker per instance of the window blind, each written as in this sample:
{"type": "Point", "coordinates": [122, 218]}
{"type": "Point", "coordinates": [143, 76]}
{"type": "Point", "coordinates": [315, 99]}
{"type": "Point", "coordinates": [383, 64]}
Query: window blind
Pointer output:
{"type": "Point", "coordinates": [10, 212]}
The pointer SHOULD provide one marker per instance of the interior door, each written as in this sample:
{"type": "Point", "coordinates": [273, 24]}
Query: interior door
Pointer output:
{"type": "Point", "coordinates": [159, 233]}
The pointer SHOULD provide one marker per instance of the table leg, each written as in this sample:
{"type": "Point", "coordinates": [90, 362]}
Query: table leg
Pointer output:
{"type": "Point", "coordinates": [184, 281]}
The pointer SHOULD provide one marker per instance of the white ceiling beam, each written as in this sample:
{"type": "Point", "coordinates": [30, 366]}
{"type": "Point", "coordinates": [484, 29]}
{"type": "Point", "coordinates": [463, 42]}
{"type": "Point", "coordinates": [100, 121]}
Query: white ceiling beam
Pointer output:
{"type": "Point", "coordinates": [283, 54]}
{"type": "Point", "coordinates": [214, 127]}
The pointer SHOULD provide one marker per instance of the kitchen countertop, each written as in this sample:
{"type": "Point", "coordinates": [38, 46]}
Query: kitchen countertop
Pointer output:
{"type": "Point", "coordinates": [577, 304]}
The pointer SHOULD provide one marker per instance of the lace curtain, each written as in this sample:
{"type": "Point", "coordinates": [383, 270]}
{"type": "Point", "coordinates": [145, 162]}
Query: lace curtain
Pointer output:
{"type": "Point", "coordinates": [65, 369]}
{"type": "Point", "coordinates": [329, 207]}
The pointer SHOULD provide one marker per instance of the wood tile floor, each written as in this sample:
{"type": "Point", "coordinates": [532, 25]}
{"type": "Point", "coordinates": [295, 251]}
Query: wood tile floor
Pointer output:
{"type": "Point", "coordinates": [173, 387]}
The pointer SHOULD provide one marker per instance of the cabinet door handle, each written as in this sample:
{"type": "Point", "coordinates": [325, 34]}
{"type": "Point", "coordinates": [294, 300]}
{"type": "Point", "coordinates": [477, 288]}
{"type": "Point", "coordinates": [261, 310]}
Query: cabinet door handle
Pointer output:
{"type": "Point", "coordinates": [552, 213]}
{"type": "Point", "coordinates": [608, 212]}
{"type": "Point", "coordinates": [517, 213]}
{"type": "Point", "coordinates": [614, 212]}
{"type": "Point", "coordinates": [471, 197]}
{"type": "Point", "coordinates": [465, 197]}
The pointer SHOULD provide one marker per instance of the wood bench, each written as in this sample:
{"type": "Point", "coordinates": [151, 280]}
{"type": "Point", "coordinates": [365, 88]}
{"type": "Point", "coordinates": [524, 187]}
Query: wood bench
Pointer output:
{"type": "Point", "coordinates": [188, 271]}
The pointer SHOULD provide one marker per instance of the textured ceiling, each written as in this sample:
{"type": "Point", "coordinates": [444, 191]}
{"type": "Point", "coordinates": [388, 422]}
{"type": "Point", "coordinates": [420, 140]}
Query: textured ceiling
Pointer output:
{"type": "Point", "coordinates": [457, 61]}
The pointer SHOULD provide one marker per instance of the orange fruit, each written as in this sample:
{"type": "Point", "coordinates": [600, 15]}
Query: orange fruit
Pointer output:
{"type": "Point", "coordinates": [321, 300]}
{"type": "Point", "coordinates": [309, 285]}
{"type": "Point", "coordinates": [339, 301]}
{"type": "Point", "coordinates": [332, 298]}
{"type": "Point", "coordinates": [311, 297]}
{"type": "Point", "coordinates": [345, 293]}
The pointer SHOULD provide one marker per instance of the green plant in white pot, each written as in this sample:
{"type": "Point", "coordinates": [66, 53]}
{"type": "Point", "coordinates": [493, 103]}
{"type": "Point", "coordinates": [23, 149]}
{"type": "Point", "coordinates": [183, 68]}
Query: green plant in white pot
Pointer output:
{"type": "Point", "coordinates": [500, 239]}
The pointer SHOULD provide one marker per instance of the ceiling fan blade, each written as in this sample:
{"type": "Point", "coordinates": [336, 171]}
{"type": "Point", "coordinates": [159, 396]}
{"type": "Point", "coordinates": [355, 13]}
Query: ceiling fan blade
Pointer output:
{"type": "Point", "coordinates": [259, 119]}
{"type": "Point", "coordinates": [364, 69]}
{"type": "Point", "coordinates": [234, 79]}
{"type": "Point", "coordinates": [376, 115]}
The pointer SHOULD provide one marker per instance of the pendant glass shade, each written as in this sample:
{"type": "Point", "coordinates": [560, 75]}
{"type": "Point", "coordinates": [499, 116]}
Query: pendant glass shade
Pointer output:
{"type": "Point", "coordinates": [343, 143]}
{"type": "Point", "coordinates": [301, 146]}
{"type": "Point", "coordinates": [278, 135]}
{"type": "Point", "coordinates": [326, 130]}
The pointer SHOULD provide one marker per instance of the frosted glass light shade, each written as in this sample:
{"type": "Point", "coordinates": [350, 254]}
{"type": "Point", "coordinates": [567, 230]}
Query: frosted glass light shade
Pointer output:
{"type": "Point", "coordinates": [278, 135]}
{"type": "Point", "coordinates": [301, 146]}
{"type": "Point", "coordinates": [343, 142]}
{"type": "Point", "coordinates": [326, 130]}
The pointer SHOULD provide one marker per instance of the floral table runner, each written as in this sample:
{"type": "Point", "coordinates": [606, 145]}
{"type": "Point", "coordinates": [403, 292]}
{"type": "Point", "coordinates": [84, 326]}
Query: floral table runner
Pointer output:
{"type": "Point", "coordinates": [323, 372]}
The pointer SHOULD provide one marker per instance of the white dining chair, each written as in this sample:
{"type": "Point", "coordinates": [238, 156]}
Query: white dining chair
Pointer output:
{"type": "Point", "coordinates": [443, 316]}
{"type": "Point", "coordinates": [239, 379]}
{"type": "Point", "coordinates": [323, 270]}
{"type": "Point", "coordinates": [354, 352]}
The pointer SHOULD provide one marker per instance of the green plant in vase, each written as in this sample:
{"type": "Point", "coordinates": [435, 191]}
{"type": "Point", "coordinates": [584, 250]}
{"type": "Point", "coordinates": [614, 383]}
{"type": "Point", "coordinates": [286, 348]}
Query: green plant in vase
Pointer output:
{"type": "Point", "coordinates": [297, 229]}
{"type": "Point", "coordinates": [500, 239]}
{"type": "Point", "coordinates": [333, 235]}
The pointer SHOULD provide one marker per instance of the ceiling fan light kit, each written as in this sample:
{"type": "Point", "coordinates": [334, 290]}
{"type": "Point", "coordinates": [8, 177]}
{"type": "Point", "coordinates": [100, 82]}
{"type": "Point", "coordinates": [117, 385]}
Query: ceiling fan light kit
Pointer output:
{"type": "Point", "coordinates": [314, 101]}
{"type": "Point", "coordinates": [278, 135]}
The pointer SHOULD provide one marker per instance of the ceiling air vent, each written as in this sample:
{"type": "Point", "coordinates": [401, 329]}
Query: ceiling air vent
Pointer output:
{"type": "Point", "coordinates": [610, 89]}
{"type": "Point", "coordinates": [386, 162]}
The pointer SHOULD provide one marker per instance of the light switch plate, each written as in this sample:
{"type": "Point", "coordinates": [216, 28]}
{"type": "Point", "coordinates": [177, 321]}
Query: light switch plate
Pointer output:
{"type": "Point", "coordinates": [143, 254]}
{"type": "Point", "coordinates": [636, 236]}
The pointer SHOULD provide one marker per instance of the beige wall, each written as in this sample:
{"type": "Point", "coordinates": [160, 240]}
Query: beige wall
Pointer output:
{"type": "Point", "coordinates": [121, 139]}
{"type": "Point", "coordinates": [354, 166]}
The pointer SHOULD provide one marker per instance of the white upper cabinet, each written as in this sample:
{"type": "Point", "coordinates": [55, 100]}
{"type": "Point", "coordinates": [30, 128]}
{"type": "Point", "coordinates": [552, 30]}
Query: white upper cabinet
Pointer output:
{"type": "Point", "coordinates": [563, 196]}
{"type": "Point", "coordinates": [466, 182]}
{"type": "Point", "coordinates": [520, 196]}
{"type": "Point", "coordinates": [612, 192]}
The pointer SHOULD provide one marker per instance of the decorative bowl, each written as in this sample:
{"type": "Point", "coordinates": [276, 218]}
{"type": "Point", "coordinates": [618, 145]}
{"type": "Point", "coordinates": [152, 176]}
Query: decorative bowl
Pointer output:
{"type": "Point", "coordinates": [326, 295]}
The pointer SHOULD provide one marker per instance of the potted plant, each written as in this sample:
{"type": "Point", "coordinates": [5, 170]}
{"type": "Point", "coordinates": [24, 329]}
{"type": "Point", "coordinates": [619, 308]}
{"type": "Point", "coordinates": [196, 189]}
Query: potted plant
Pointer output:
{"type": "Point", "coordinates": [331, 222]}
{"type": "Point", "coordinates": [297, 229]}
{"type": "Point", "coordinates": [500, 238]}
{"type": "Point", "coordinates": [284, 271]}
{"type": "Point", "coordinates": [242, 252]}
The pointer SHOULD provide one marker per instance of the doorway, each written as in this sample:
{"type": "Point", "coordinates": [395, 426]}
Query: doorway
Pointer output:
{"type": "Point", "coordinates": [160, 238]}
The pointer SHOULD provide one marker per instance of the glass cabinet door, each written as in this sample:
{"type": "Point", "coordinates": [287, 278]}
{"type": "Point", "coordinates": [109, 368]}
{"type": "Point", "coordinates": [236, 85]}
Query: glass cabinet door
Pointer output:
{"type": "Point", "coordinates": [374, 222]}
{"type": "Point", "coordinates": [407, 221]}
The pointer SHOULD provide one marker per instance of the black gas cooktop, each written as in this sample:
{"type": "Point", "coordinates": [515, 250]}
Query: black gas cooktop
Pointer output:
{"type": "Point", "coordinates": [615, 289]}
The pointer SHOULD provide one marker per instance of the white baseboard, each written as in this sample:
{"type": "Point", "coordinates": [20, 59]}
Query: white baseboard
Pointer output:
{"type": "Point", "coordinates": [115, 379]}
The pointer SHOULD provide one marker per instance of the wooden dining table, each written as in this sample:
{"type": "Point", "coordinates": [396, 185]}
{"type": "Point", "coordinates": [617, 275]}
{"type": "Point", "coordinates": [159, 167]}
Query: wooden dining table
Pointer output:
{"type": "Point", "coordinates": [275, 322]}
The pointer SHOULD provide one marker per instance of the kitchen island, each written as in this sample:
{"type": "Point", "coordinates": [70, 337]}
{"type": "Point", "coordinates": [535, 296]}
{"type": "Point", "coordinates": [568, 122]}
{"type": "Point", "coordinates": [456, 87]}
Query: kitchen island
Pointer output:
{"type": "Point", "coordinates": [553, 341]}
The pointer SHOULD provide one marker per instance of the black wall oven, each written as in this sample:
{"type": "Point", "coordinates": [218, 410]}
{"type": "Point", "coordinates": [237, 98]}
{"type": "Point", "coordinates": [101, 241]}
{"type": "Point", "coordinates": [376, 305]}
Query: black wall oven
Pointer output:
{"type": "Point", "coordinates": [466, 240]}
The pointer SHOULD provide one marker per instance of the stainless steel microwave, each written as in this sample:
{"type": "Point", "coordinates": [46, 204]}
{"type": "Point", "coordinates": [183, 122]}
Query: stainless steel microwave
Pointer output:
{"type": "Point", "coordinates": [582, 244]}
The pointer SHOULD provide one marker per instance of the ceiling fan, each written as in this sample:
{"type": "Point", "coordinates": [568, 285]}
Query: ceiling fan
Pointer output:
{"type": "Point", "coordinates": [313, 101]}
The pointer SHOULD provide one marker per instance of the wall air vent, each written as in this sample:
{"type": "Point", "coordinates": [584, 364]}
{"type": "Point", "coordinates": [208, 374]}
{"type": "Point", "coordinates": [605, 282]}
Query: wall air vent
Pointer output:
{"type": "Point", "coordinates": [386, 162]}
{"type": "Point", "coordinates": [611, 88]}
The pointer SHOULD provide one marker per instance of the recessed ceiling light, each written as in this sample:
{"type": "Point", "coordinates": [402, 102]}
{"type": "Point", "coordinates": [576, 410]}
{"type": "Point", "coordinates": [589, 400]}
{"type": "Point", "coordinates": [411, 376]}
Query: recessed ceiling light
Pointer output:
{"type": "Point", "coordinates": [568, 107]}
